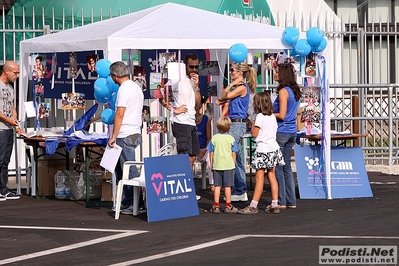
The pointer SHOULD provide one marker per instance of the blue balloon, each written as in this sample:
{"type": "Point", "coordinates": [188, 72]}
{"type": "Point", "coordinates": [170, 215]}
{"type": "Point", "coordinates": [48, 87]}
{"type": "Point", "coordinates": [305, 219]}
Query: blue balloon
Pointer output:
{"type": "Point", "coordinates": [238, 52]}
{"type": "Point", "coordinates": [322, 45]}
{"type": "Point", "coordinates": [290, 35]}
{"type": "Point", "coordinates": [102, 87]}
{"type": "Point", "coordinates": [113, 86]}
{"type": "Point", "coordinates": [100, 99]}
{"type": "Point", "coordinates": [314, 36]}
{"type": "Point", "coordinates": [112, 101]}
{"type": "Point", "coordinates": [102, 67]}
{"type": "Point", "coordinates": [302, 47]}
{"type": "Point", "coordinates": [108, 116]}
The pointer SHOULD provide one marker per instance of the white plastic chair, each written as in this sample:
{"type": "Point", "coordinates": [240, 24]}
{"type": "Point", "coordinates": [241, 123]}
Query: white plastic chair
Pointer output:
{"type": "Point", "coordinates": [30, 171]}
{"type": "Point", "coordinates": [137, 182]}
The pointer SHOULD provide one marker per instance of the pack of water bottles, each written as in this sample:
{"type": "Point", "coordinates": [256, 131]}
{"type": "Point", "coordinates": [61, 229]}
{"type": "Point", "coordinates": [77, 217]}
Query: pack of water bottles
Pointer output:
{"type": "Point", "coordinates": [62, 185]}
{"type": "Point", "coordinates": [77, 182]}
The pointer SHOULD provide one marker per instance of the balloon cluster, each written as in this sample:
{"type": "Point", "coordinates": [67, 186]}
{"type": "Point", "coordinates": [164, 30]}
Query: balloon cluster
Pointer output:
{"type": "Point", "coordinates": [238, 52]}
{"type": "Point", "coordinates": [105, 91]}
{"type": "Point", "coordinates": [315, 41]}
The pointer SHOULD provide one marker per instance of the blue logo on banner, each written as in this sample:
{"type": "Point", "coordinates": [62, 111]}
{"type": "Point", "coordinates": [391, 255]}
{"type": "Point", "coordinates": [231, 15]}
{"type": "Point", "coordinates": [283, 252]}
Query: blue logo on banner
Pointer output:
{"type": "Point", "coordinates": [170, 188]}
{"type": "Point", "coordinates": [348, 173]}
{"type": "Point", "coordinates": [84, 82]}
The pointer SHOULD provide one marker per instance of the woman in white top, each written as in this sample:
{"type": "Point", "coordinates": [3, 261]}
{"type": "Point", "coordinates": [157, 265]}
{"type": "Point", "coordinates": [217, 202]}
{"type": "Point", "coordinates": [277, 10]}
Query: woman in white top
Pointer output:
{"type": "Point", "coordinates": [267, 155]}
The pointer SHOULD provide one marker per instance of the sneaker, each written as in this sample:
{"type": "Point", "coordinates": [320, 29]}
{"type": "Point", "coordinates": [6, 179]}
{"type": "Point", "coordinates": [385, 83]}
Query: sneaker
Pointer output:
{"type": "Point", "coordinates": [270, 209]}
{"type": "Point", "coordinates": [248, 210]}
{"type": "Point", "coordinates": [11, 195]}
{"type": "Point", "coordinates": [129, 210]}
{"type": "Point", "coordinates": [122, 207]}
{"type": "Point", "coordinates": [215, 209]}
{"type": "Point", "coordinates": [230, 209]}
{"type": "Point", "coordinates": [242, 197]}
{"type": "Point", "coordinates": [198, 197]}
{"type": "Point", "coordinates": [2, 198]}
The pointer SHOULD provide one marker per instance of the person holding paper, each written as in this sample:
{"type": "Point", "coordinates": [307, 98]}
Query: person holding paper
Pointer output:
{"type": "Point", "coordinates": [8, 121]}
{"type": "Point", "coordinates": [126, 131]}
{"type": "Point", "coordinates": [186, 102]}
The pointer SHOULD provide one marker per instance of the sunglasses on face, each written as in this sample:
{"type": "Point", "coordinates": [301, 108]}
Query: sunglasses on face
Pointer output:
{"type": "Point", "coordinates": [192, 67]}
{"type": "Point", "coordinates": [233, 69]}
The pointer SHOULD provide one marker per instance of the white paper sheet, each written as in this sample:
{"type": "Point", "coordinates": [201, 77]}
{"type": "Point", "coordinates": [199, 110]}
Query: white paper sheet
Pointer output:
{"type": "Point", "coordinates": [111, 157]}
{"type": "Point", "coordinates": [30, 109]}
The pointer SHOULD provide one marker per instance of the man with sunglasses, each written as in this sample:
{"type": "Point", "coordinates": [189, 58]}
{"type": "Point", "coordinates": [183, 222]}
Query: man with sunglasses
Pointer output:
{"type": "Point", "coordinates": [8, 121]}
{"type": "Point", "coordinates": [186, 102]}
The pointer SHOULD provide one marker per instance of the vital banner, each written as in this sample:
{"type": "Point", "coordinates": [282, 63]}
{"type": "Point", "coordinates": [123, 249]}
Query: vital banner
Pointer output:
{"type": "Point", "coordinates": [170, 188]}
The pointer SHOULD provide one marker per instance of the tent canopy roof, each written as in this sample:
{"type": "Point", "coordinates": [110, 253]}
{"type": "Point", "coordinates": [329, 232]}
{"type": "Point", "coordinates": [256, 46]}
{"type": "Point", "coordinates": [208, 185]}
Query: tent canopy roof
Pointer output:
{"type": "Point", "coordinates": [166, 26]}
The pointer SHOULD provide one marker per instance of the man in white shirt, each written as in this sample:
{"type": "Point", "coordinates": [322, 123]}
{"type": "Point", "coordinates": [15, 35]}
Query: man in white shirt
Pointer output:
{"type": "Point", "coordinates": [127, 125]}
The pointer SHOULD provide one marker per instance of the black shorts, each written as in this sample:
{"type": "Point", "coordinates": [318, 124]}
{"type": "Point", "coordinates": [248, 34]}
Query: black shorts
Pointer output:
{"type": "Point", "coordinates": [186, 139]}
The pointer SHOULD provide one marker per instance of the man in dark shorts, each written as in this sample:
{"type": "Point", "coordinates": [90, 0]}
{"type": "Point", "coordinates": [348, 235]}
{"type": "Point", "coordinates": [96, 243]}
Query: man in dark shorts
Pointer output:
{"type": "Point", "coordinates": [186, 101]}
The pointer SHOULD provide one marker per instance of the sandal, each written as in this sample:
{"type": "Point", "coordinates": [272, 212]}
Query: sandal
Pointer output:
{"type": "Point", "coordinates": [230, 209]}
{"type": "Point", "coordinates": [215, 209]}
{"type": "Point", "coordinates": [291, 207]}
{"type": "Point", "coordinates": [270, 209]}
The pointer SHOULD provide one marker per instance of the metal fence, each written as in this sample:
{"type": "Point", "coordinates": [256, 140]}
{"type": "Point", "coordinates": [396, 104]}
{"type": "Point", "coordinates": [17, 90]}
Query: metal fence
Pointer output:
{"type": "Point", "coordinates": [365, 101]}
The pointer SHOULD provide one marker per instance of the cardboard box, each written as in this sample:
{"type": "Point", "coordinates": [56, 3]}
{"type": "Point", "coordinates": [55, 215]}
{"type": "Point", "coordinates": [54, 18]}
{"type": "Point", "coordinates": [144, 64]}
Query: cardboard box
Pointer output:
{"type": "Point", "coordinates": [106, 187]}
{"type": "Point", "coordinates": [46, 170]}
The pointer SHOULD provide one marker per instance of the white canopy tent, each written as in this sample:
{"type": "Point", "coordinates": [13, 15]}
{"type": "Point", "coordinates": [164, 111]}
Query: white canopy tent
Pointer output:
{"type": "Point", "coordinates": [167, 26]}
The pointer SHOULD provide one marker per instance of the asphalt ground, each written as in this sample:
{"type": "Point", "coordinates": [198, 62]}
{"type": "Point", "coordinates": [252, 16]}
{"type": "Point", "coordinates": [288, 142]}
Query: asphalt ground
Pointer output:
{"type": "Point", "coordinates": [62, 232]}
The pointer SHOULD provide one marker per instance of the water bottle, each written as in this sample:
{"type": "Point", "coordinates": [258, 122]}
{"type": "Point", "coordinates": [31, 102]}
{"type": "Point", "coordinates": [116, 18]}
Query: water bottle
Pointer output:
{"type": "Point", "coordinates": [68, 193]}
{"type": "Point", "coordinates": [59, 179]}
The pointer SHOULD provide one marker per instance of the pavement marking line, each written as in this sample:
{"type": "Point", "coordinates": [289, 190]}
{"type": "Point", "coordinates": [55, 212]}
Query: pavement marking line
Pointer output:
{"type": "Point", "coordinates": [327, 237]}
{"type": "Point", "coordinates": [121, 234]}
{"type": "Point", "coordinates": [180, 251]}
{"type": "Point", "coordinates": [233, 238]}
{"type": "Point", "coordinates": [70, 229]}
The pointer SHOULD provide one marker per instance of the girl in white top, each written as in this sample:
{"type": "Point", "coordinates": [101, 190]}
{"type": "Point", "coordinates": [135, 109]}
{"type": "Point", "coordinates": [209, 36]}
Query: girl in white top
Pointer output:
{"type": "Point", "coordinates": [267, 155]}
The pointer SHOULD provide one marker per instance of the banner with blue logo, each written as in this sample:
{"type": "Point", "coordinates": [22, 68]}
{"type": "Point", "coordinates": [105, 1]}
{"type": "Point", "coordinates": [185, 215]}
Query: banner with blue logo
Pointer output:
{"type": "Point", "coordinates": [170, 188]}
{"type": "Point", "coordinates": [349, 177]}
{"type": "Point", "coordinates": [85, 77]}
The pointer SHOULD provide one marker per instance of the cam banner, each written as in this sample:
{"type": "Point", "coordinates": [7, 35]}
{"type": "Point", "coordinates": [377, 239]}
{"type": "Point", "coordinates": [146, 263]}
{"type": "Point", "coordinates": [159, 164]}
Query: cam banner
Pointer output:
{"type": "Point", "coordinates": [349, 178]}
{"type": "Point", "coordinates": [170, 188]}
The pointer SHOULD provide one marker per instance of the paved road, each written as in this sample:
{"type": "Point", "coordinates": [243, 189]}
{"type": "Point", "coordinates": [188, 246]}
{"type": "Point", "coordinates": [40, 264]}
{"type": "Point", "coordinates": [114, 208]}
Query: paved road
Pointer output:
{"type": "Point", "coordinates": [58, 232]}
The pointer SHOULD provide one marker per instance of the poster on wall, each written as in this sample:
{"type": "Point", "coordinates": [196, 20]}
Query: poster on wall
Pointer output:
{"type": "Point", "coordinates": [73, 101]}
{"type": "Point", "coordinates": [164, 59]}
{"type": "Point", "coordinates": [208, 68]}
{"type": "Point", "coordinates": [43, 110]}
{"type": "Point", "coordinates": [139, 77]}
{"type": "Point", "coordinates": [157, 124]}
{"type": "Point", "coordinates": [146, 114]}
{"type": "Point", "coordinates": [310, 101]}
{"type": "Point", "coordinates": [39, 67]}
{"type": "Point", "coordinates": [39, 89]}
{"type": "Point", "coordinates": [44, 65]}
{"type": "Point", "coordinates": [212, 89]}
{"type": "Point", "coordinates": [156, 89]}
{"type": "Point", "coordinates": [91, 61]}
